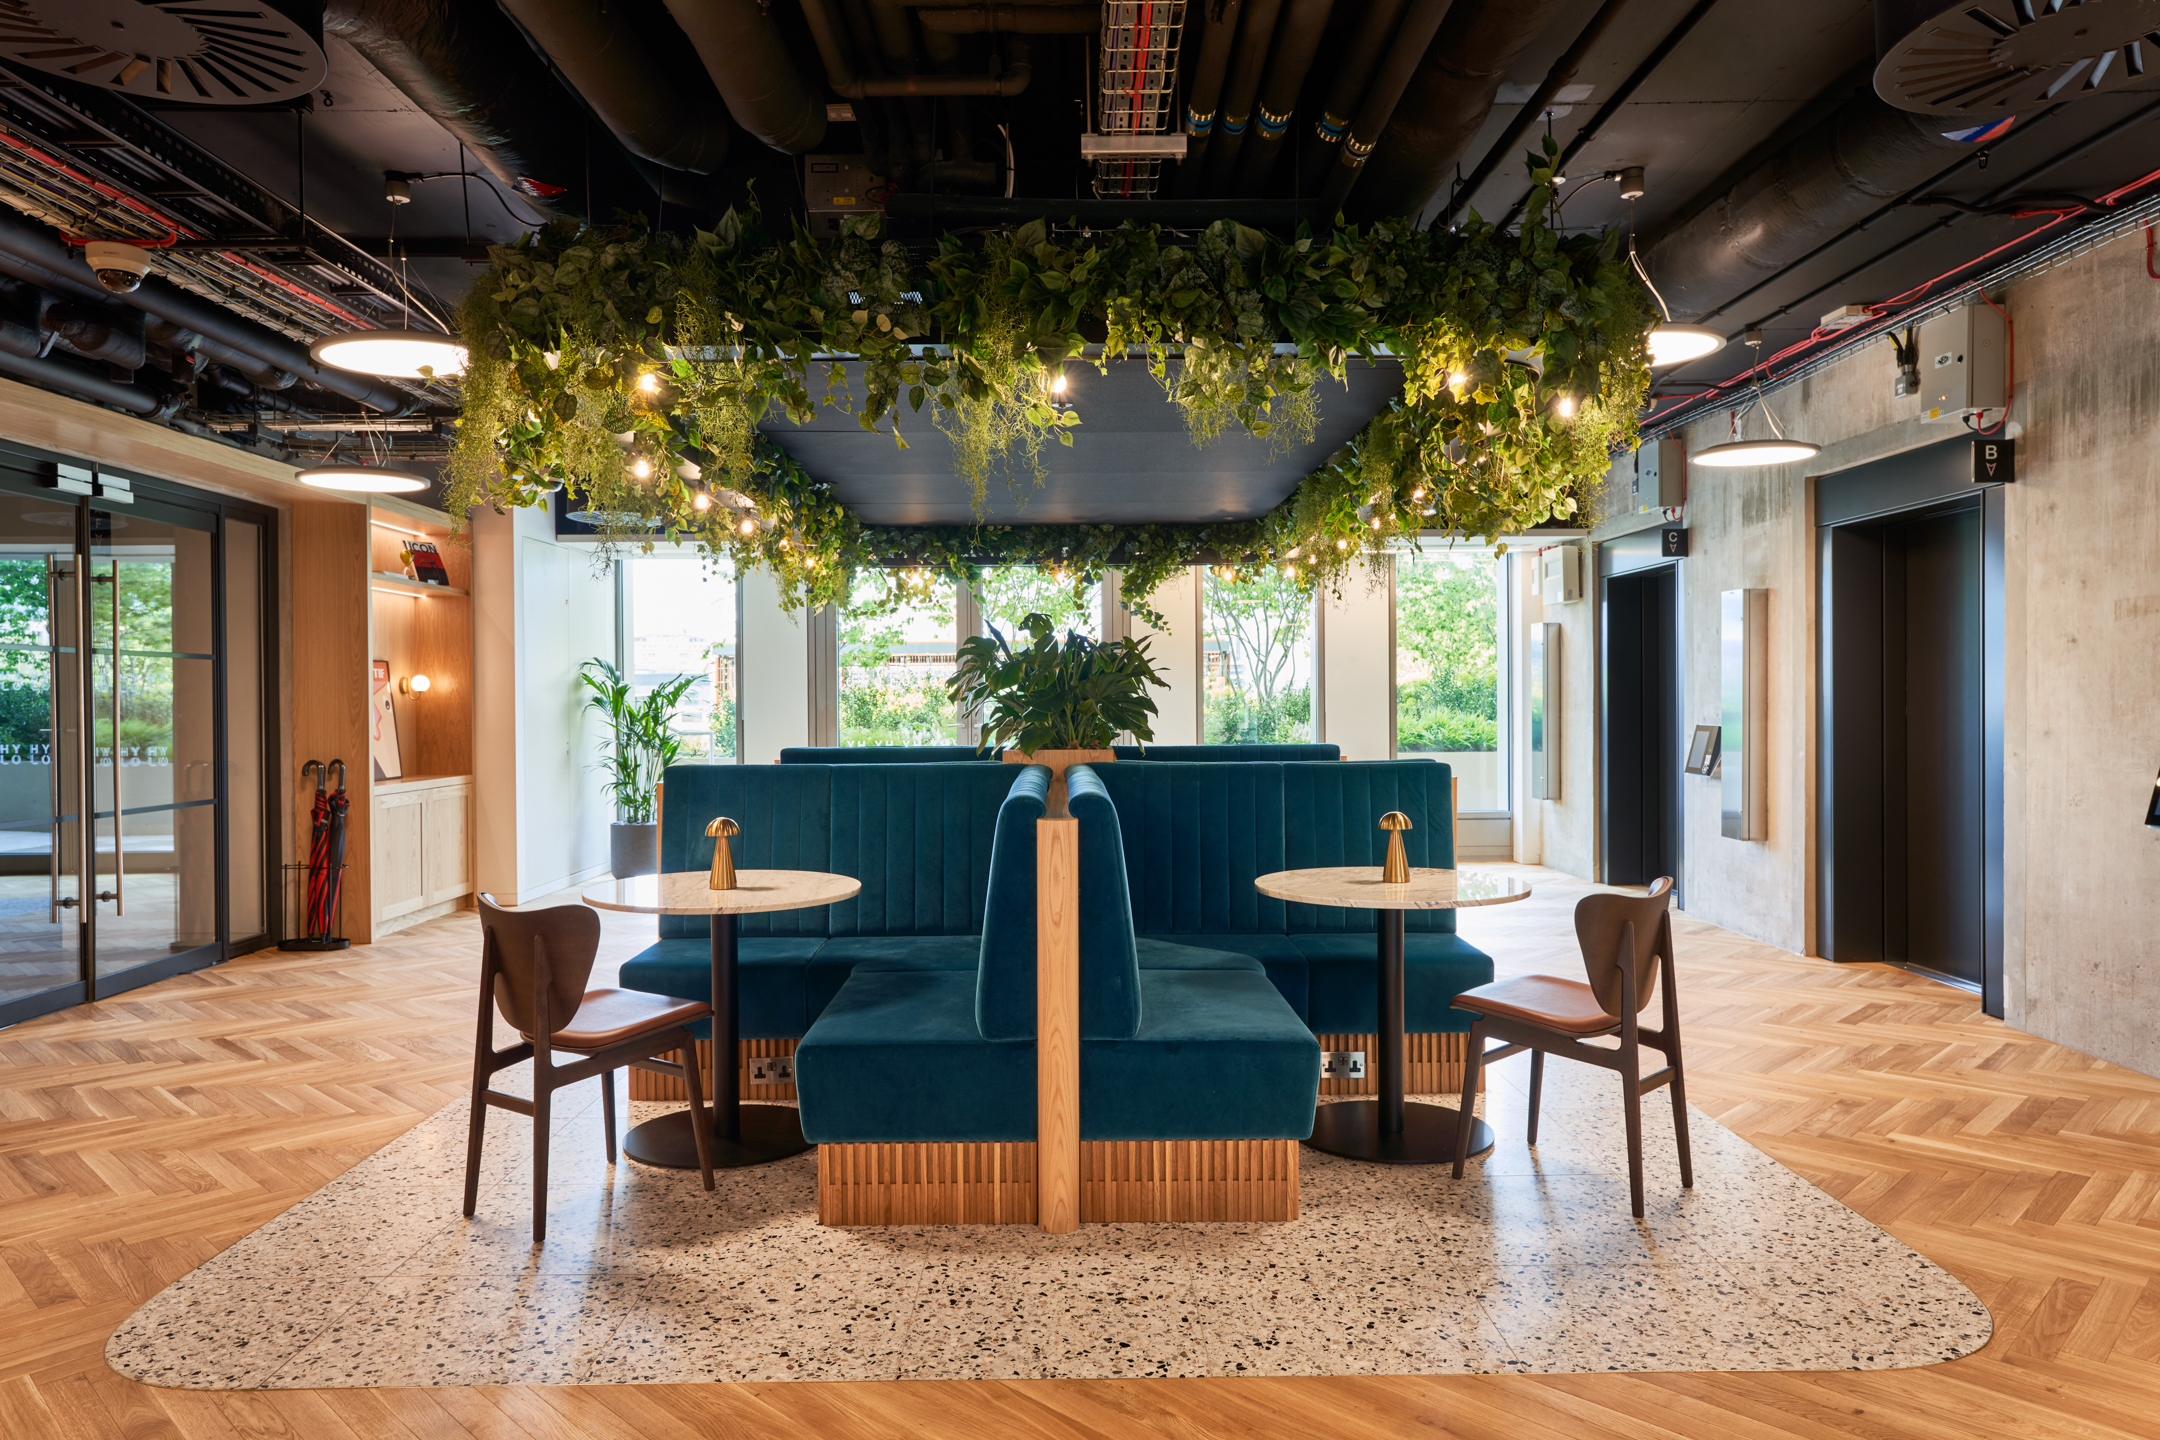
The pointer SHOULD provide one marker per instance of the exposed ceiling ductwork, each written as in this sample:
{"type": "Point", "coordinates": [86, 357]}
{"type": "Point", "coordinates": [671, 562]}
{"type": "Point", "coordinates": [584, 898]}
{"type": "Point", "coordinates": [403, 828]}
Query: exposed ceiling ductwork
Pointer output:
{"type": "Point", "coordinates": [750, 65]}
{"type": "Point", "coordinates": [601, 52]}
{"type": "Point", "coordinates": [1840, 171]}
{"type": "Point", "coordinates": [1447, 100]}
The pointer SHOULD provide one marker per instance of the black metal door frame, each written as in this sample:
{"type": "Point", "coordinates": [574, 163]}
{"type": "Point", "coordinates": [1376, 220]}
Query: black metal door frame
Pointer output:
{"type": "Point", "coordinates": [34, 474]}
{"type": "Point", "coordinates": [1932, 480]}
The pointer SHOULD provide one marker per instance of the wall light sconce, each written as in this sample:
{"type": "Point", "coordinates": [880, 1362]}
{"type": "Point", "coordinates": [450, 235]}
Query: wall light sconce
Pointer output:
{"type": "Point", "coordinates": [416, 684]}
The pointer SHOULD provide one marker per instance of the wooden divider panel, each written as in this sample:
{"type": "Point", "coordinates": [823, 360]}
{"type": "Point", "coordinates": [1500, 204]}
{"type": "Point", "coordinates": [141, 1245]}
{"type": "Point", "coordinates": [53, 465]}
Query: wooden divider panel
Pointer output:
{"type": "Point", "coordinates": [1057, 1022]}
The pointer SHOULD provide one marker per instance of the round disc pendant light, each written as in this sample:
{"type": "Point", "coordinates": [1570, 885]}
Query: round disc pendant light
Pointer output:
{"type": "Point", "coordinates": [392, 354]}
{"type": "Point", "coordinates": [363, 479]}
{"type": "Point", "coordinates": [1672, 344]}
{"type": "Point", "coordinates": [1771, 451]}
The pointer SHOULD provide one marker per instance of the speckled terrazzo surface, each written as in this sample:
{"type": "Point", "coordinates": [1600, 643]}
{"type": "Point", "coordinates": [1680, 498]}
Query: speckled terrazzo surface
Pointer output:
{"type": "Point", "coordinates": [1530, 1264]}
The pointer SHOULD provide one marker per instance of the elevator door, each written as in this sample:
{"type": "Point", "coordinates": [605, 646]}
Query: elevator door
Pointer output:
{"type": "Point", "coordinates": [1904, 715]}
{"type": "Point", "coordinates": [1643, 742]}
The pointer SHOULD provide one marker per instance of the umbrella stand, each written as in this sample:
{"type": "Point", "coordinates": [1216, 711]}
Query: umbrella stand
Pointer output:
{"type": "Point", "coordinates": [317, 886]}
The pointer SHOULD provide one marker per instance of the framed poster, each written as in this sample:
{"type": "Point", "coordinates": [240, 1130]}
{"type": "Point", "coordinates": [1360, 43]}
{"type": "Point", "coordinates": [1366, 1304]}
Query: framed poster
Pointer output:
{"type": "Point", "coordinates": [382, 723]}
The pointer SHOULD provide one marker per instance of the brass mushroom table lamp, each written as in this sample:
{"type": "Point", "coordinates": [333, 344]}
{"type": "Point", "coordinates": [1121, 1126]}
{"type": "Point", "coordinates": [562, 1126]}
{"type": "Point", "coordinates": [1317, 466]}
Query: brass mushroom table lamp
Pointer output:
{"type": "Point", "coordinates": [1395, 870]}
{"type": "Point", "coordinates": [723, 854]}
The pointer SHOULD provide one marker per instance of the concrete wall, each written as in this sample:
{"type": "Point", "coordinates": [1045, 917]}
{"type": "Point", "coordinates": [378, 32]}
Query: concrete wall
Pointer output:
{"type": "Point", "coordinates": [2082, 635]}
{"type": "Point", "coordinates": [774, 708]}
{"type": "Point", "coordinates": [1564, 828]}
{"type": "Point", "coordinates": [1176, 656]}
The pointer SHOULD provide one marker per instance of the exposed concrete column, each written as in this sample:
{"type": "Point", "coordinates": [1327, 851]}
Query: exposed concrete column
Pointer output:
{"type": "Point", "coordinates": [1354, 706]}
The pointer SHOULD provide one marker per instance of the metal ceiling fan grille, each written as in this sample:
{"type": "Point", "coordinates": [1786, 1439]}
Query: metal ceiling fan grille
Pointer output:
{"type": "Point", "coordinates": [208, 53]}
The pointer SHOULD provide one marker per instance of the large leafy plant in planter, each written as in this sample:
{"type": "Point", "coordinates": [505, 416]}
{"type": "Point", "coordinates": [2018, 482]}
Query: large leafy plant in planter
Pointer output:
{"type": "Point", "coordinates": [1052, 694]}
{"type": "Point", "coordinates": [641, 741]}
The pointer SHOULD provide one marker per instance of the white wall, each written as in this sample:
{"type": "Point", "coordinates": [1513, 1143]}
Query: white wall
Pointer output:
{"type": "Point", "coordinates": [775, 683]}
{"type": "Point", "coordinates": [540, 610]}
{"type": "Point", "coordinates": [1176, 656]}
{"type": "Point", "coordinates": [1357, 664]}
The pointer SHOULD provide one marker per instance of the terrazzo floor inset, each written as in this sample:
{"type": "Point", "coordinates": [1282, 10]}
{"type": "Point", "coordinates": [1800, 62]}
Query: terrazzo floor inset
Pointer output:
{"type": "Point", "coordinates": [1529, 1264]}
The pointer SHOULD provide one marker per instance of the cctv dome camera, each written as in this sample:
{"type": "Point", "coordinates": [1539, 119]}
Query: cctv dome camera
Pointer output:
{"type": "Point", "coordinates": [120, 267]}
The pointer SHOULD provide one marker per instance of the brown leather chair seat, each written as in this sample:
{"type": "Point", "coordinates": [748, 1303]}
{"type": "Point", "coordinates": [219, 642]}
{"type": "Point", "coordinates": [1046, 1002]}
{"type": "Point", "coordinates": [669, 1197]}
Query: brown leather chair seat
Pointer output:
{"type": "Point", "coordinates": [1565, 1005]}
{"type": "Point", "coordinates": [614, 1017]}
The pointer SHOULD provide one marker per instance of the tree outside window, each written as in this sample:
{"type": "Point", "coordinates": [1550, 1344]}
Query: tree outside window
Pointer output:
{"type": "Point", "coordinates": [1257, 650]}
{"type": "Point", "coordinates": [894, 662]}
{"type": "Point", "coordinates": [682, 622]}
{"type": "Point", "coordinates": [1447, 668]}
{"type": "Point", "coordinates": [1009, 594]}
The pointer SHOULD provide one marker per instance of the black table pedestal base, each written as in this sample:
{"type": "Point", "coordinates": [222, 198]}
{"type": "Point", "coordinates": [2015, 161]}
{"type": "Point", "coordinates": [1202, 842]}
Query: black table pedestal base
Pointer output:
{"type": "Point", "coordinates": [768, 1133]}
{"type": "Point", "coordinates": [1351, 1128]}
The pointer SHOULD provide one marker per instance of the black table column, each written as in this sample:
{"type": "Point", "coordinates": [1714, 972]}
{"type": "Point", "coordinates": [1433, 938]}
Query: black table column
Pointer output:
{"type": "Point", "coordinates": [742, 1135]}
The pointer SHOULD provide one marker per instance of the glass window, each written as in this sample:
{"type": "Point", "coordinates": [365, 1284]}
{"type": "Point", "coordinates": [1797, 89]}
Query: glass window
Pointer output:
{"type": "Point", "coordinates": [1447, 668]}
{"type": "Point", "coordinates": [1009, 594]}
{"type": "Point", "coordinates": [1256, 647]}
{"type": "Point", "coordinates": [894, 662]}
{"type": "Point", "coordinates": [682, 622]}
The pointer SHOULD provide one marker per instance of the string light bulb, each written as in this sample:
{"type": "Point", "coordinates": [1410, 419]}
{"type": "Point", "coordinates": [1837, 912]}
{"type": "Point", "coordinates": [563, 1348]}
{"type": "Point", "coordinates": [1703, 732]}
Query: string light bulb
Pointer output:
{"type": "Point", "coordinates": [641, 467]}
{"type": "Point", "coordinates": [648, 382]}
{"type": "Point", "coordinates": [701, 501]}
{"type": "Point", "coordinates": [748, 527]}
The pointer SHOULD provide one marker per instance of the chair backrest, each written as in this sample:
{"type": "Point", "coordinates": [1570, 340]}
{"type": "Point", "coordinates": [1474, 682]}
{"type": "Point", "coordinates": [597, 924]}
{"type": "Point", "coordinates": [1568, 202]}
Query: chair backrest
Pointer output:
{"type": "Point", "coordinates": [1109, 958]}
{"type": "Point", "coordinates": [1600, 923]}
{"type": "Point", "coordinates": [1005, 966]}
{"type": "Point", "coordinates": [571, 937]}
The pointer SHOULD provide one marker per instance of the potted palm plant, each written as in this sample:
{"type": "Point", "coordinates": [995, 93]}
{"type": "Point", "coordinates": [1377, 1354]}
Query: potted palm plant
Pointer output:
{"type": "Point", "coordinates": [641, 743]}
{"type": "Point", "coordinates": [1056, 702]}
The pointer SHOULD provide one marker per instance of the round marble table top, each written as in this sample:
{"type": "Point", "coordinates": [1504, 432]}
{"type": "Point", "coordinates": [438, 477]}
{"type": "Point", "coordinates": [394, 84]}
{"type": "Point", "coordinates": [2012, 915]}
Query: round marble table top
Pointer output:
{"type": "Point", "coordinates": [690, 892]}
{"type": "Point", "coordinates": [1359, 887]}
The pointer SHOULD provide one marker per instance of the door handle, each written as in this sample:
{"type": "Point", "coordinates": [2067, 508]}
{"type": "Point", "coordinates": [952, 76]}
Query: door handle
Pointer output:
{"type": "Point", "coordinates": [102, 895]}
{"type": "Point", "coordinates": [67, 902]}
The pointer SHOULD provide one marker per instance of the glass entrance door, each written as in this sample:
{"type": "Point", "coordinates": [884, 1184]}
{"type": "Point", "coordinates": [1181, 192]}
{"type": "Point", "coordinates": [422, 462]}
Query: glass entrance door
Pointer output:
{"type": "Point", "coordinates": [116, 858]}
{"type": "Point", "coordinates": [42, 933]}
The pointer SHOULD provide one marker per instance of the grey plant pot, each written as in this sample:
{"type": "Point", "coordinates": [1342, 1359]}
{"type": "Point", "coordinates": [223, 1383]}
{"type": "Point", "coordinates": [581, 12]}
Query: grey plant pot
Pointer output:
{"type": "Point", "coordinates": [633, 850]}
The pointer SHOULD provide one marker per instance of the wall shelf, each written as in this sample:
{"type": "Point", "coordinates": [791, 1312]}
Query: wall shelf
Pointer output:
{"type": "Point", "coordinates": [383, 579]}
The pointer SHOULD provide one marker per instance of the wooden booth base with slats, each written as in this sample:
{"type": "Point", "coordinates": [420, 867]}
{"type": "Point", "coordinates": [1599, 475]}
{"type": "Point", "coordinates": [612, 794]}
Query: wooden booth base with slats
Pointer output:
{"type": "Point", "coordinates": [650, 1085]}
{"type": "Point", "coordinates": [995, 1183]}
{"type": "Point", "coordinates": [1435, 1064]}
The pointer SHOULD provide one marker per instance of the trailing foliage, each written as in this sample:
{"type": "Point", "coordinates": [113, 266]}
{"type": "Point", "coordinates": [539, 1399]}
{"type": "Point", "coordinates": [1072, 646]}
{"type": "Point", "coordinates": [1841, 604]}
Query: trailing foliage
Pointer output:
{"type": "Point", "coordinates": [636, 367]}
{"type": "Point", "coordinates": [1075, 694]}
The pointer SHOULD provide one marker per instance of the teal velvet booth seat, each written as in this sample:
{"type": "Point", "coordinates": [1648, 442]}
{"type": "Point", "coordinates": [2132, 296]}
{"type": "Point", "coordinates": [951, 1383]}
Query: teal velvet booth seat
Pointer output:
{"type": "Point", "coordinates": [1196, 1079]}
{"type": "Point", "coordinates": [1197, 835]}
{"type": "Point", "coordinates": [935, 754]}
{"type": "Point", "coordinates": [918, 837]}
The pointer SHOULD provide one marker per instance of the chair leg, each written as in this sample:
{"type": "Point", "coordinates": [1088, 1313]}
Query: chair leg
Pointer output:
{"type": "Point", "coordinates": [1474, 1053]}
{"type": "Point", "coordinates": [1679, 1118]}
{"type": "Point", "coordinates": [700, 1122]}
{"type": "Point", "coordinates": [541, 1121]}
{"type": "Point", "coordinates": [1631, 1106]}
{"type": "Point", "coordinates": [475, 1131]}
{"type": "Point", "coordinates": [1537, 1091]}
{"type": "Point", "coordinates": [607, 1111]}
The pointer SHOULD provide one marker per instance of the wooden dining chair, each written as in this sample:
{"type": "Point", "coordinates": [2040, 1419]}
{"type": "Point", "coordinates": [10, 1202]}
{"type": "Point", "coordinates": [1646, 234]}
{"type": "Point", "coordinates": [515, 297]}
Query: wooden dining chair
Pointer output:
{"type": "Point", "coordinates": [533, 968]}
{"type": "Point", "coordinates": [1627, 951]}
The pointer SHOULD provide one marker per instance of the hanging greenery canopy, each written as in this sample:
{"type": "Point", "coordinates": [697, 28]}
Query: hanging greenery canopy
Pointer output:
{"type": "Point", "coordinates": [635, 368]}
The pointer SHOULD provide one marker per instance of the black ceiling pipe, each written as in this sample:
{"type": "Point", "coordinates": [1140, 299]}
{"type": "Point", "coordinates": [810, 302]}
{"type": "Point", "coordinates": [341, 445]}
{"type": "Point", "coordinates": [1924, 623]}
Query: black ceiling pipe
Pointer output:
{"type": "Point", "coordinates": [1864, 153]}
{"type": "Point", "coordinates": [1363, 53]}
{"type": "Point", "coordinates": [33, 246]}
{"type": "Point", "coordinates": [1448, 99]}
{"type": "Point", "coordinates": [112, 334]}
{"type": "Point", "coordinates": [209, 352]}
{"type": "Point", "coordinates": [598, 50]}
{"type": "Point", "coordinates": [1400, 62]}
{"type": "Point", "coordinates": [1503, 149]}
{"type": "Point", "coordinates": [1256, 39]}
{"type": "Point", "coordinates": [73, 379]}
{"type": "Point", "coordinates": [1620, 96]}
{"type": "Point", "coordinates": [1205, 98]}
{"type": "Point", "coordinates": [1287, 66]}
{"type": "Point", "coordinates": [840, 71]}
{"type": "Point", "coordinates": [470, 68]}
{"type": "Point", "coordinates": [1017, 19]}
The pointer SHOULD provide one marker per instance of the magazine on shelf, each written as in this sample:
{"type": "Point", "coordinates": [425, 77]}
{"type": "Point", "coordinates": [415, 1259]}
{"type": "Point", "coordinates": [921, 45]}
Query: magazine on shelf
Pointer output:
{"type": "Point", "coordinates": [426, 562]}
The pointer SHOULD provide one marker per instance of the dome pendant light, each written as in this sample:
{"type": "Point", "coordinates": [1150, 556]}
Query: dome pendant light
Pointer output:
{"type": "Point", "coordinates": [362, 479]}
{"type": "Point", "coordinates": [1776, 449]}
{"type": "Point", "coordinates": [1670, 344]}
{"type": "Point", "coordinates": [392, 354]}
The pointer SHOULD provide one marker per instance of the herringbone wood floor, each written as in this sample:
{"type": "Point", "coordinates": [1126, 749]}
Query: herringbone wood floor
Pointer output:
{"type": "Point", "coordinates": [140, 1135]}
